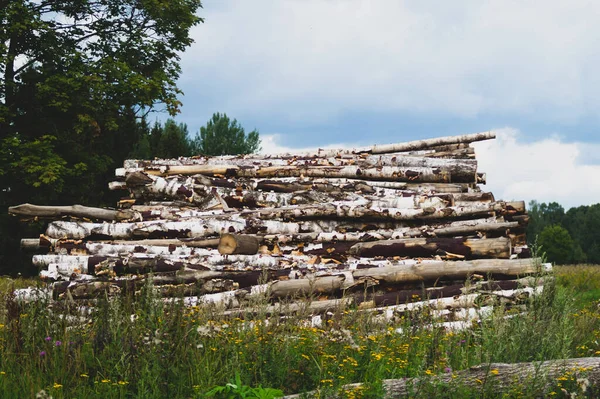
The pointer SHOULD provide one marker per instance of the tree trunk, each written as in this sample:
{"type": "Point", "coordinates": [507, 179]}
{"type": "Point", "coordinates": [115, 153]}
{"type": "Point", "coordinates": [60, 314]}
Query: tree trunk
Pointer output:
{"type": "Point", "coordinates": [460, 248]}
{"type": "Point", "coordinates": [29, 211]}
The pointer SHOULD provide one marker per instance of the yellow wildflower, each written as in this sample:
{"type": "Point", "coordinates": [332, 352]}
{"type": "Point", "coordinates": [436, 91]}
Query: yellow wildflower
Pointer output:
{"type": "Point", "coordinates": [494, 371]}
{"type": "Point", "coordinates": [57, 385]}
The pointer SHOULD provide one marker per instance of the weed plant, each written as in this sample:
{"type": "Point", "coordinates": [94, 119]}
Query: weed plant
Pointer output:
{"type": "Point", "coordinates": [138, 346]}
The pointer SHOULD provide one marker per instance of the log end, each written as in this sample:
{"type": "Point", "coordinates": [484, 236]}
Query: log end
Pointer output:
{"type": "Point", "coordinates": [232, 244]}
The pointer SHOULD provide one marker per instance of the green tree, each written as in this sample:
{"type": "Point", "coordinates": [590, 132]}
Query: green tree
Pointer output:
{"type": "Point", "coordinates": [75, 78]}
{"type": "Point", "coordinates": [222, 136]}
{"type": "Point", "coordinates": [174, 141]}
{"type": "Point", "coordinates": [170, 140]}
{"type": "Point", "coordinates": [558, 245]}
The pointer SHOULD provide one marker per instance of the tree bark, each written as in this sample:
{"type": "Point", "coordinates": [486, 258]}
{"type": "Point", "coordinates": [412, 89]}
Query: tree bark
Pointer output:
{"type": "Point", "coordinates": [30, 211]}
{"type": "Point", "coordinates": [460, 248]}
{"type": "Point", "coordinates": [500, 376]}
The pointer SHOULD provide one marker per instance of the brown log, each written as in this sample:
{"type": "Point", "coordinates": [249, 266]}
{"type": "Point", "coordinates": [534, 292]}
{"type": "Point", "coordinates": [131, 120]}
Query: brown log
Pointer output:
{"type": "Point", "coordinates": [231, 244]}
{"type": "Point", "coordinates": [431, 271]}
{"type": "Point", "coordinates": [457, 248]}
{"type": "Point", "coordinates": [539, 377]}
{"type": "Point", "coordinates": [76, 211]}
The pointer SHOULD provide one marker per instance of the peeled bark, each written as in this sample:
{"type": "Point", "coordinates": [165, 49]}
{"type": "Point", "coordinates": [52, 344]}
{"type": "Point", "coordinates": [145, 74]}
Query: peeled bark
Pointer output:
{"type": "Point", "coordinates": [76, 211]}
{"type": "Point", "coordinates": [423, 247]}
{"type": "Point", "coordinates": [456, 270]}
{"type": "Point", "coordinates": [238, 244]}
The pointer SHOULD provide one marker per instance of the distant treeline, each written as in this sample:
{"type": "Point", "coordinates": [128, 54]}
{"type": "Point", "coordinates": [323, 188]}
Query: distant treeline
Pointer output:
{"type": "Point", "coordinates": [565, 237]}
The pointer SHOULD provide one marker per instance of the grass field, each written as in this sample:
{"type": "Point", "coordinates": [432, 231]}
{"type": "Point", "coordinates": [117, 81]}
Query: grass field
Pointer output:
{"type": "Point", "coordinates": [149, 349]}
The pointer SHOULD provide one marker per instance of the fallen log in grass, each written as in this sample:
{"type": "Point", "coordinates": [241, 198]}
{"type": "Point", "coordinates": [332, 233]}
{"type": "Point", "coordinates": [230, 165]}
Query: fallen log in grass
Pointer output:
{"type": "Point", "coordinates": [497, 376]}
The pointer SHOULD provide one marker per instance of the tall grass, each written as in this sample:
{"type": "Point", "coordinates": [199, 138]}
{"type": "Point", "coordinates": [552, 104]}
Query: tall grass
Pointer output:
{"type": "Point", "coordinates": [146, 348]}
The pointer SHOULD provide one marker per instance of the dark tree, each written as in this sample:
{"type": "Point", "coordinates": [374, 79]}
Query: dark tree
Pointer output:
{"type": "Point", "coordinates": [557, 244]}
{"type": "Point", "coordinates": [222, 136]}
{"type": "Point", "coordinates": [75, 78]}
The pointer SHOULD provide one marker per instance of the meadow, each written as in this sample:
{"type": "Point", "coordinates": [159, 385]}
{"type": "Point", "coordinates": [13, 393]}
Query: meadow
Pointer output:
{"type": "Point", "coordinates": [151, 349]}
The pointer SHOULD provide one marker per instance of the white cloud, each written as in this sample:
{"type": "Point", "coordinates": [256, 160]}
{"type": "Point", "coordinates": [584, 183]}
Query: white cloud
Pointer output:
{"type": "Point", "coordinates": [317, 58]}
{"type": "Point", "coordinates": [546, 170]}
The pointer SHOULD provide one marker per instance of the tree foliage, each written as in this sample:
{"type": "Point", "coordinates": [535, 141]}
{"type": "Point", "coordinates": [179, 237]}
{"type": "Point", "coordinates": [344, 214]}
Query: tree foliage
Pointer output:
{"type": "Point", "coordinates": [556, 242]}
{"type": "Point", "coordinates": [222, 136]}
{"type": "Point", "coordinates": [75, 78]}
{"type": "Point", "coordinates": [170, 140]}
{"type": "Point", "coordinates": [582, 223]}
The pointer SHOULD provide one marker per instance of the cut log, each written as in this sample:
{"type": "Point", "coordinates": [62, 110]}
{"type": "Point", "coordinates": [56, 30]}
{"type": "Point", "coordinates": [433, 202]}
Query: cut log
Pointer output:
{"type": "Point", "coordinates": [360, 211]}
{"type": "Point", "coordinates": [458, 167]}
{"type": "Point", "coordinates": [457, 248]}
{"type": "Point", "coordinates": [231, 244]}
{"type": "Point", "coordinates": [457, 270]}
{"type": "Point", "coordinates": [76, 211]}
{"type": "Point", "coordinates": [539, 377]}
{"type": "Point", "coordinates": [416, 145]}
{"type": "Point", "coordinates": [438, 144]}
{"type": "Point", "coordinates": [388, 173]}
{"type": "Point", "coordinates": [312, 286]}
{"type": "Point", "coordinates": [191, 228]}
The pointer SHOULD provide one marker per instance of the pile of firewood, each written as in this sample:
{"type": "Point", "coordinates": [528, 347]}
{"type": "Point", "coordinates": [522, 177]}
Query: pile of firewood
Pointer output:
{"type": "Point", "coordinates": [375, 227]}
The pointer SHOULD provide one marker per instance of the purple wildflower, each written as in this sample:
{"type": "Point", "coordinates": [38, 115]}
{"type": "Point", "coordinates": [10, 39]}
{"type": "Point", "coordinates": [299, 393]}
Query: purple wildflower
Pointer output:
{"type": "Point", "coordinates": [43, 353]}
{"type": "Point", "coordinates": [48, 339]}
{"type": "Point", "coordinates": [58, 343]}
{"type": "Point", "coordinates": [447, 370]}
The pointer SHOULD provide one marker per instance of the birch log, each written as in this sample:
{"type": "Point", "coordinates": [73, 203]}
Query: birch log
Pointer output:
{"type": "Point", "coordinates": [387, 173]}
{"type": "Point", "coordinates": [398, 147]}
{"type": "Point", "coordinates": [457, 167]}
{"type": "Point", "coordinates": [159, 229]}
{"type": "Point", "coordinates": [423, 247]}
{"type": "Point", "coordinates": [76, 211]}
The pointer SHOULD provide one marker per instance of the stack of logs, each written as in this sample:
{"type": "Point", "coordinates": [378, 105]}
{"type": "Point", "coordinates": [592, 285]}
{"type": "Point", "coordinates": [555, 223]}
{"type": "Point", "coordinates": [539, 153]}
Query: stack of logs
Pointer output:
{"type": "Point", "coordinates": [373, 227]}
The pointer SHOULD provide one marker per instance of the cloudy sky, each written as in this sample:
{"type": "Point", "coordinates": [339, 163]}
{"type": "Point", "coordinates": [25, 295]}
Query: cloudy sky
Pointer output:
{"type": "Point", "coordinates": [316, 73]}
